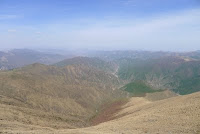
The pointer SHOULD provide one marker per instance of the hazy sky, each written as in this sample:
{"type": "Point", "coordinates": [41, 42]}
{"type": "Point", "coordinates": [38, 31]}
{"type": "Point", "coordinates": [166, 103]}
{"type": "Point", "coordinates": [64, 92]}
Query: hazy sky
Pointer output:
{"type": "Point", "coordinates": [171, 25]}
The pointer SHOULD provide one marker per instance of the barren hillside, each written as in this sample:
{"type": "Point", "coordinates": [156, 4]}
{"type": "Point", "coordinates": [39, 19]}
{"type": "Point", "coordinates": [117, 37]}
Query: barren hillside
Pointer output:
{"type": "Point", "coordinates": [174, 115]}
{"type": "Point", "coordinates": [82, 96]}
{"type": "Point", "coordinates": [71, 94]}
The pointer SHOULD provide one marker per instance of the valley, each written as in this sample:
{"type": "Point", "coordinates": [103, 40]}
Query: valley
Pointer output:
{"type": "Point", "coordinates": [92, 95]}
{"type": "Point", "coordinates": [99, 67]}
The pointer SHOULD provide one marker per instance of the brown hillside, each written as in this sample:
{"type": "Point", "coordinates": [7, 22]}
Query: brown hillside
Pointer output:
{"type": "Point", "coordinates": [73, 93]}
{"type": "Point", "coordinates": [175, 115]}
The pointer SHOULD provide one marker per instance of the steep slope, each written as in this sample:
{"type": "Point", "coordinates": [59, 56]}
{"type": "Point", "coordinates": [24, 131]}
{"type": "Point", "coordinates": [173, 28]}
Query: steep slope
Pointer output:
{"type": "Point", "coordinates": [73, 93]}
{"type": "Point", "coordinates": [175, 73]}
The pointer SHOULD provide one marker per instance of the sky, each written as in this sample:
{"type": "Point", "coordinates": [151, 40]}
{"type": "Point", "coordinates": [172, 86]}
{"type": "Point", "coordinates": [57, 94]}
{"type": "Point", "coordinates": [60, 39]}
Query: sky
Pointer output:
{"type": "Point", "coordinates": [166, 25]}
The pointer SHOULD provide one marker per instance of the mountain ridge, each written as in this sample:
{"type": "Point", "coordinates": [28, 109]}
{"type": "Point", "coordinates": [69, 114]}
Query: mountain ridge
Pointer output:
{"type": "Point", "coordinates": [77, 91]}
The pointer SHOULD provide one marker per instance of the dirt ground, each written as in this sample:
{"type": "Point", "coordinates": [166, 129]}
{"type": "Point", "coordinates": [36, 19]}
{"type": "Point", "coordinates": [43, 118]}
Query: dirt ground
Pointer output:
{"type": "Point", "coordinates": [107, 113]}
{"type": "Point", "coordinates": [177, 115]}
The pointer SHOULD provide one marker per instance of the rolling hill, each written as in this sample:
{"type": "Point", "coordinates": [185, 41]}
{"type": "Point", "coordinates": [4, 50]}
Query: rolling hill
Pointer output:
{"type": "Point", "coordinates": [82, 92]}
{"type": "Point", "coordinates": [72, 93]}
{"type": "Point", "coordinates": [175, 115]}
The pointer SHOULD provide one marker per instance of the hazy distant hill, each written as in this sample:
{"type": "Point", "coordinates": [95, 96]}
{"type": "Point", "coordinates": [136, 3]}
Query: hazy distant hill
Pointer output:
{"type": "Point", "coordinates": [92, 62]}
{"type": "Point", "coordinates": [193, 55]}
{"type": "Point", "coordinates": [20, 57]}
{"type": "Point", "coordinates": [115, 55]}
{"type": "Point", "coordinates": [142, 55]}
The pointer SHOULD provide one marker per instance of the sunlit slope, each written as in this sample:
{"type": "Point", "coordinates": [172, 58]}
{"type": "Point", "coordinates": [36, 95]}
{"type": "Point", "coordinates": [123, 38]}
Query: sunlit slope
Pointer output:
{"type": "Point", "coordinates": [174, 115]}
{"type": "Point", "coordinates": [74, 92]}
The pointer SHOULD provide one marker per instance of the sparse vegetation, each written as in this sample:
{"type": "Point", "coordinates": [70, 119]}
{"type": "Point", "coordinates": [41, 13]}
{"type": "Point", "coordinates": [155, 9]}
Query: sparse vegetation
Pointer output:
{"type": "Point", "coordinates": [80, 92]}
{"type": "Point", "coordinates": [163, 73]}
{"type": "Point", "coordinates": [75, 91]}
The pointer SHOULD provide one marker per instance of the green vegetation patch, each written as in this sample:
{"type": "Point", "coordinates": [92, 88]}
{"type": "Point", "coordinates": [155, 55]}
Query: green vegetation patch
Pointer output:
{"type": "Point", "coordinates": [138, 88]}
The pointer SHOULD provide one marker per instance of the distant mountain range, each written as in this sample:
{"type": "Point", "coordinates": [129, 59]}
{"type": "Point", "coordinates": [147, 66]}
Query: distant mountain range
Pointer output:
{"type": "Point", "coordinates": [160, 70]}
{"type": "Point", "coordinates": [70, 93]}
{"type": "Point", "coordinates": [21, 57]}
{"type": "Point", "coordinates": [115, 55]}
